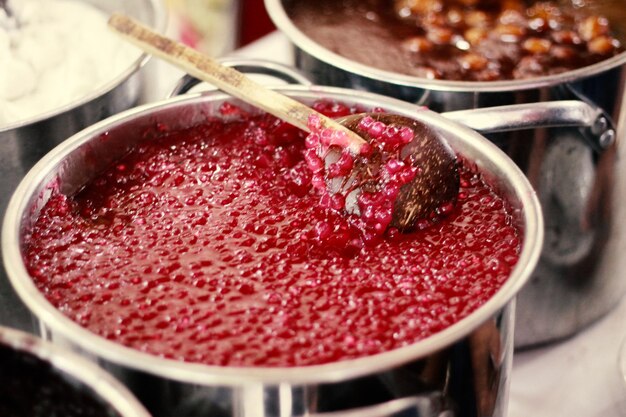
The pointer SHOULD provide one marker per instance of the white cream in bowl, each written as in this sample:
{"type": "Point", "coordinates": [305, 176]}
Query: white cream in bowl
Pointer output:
{"type": "Point", "coordinates": [58, 52]}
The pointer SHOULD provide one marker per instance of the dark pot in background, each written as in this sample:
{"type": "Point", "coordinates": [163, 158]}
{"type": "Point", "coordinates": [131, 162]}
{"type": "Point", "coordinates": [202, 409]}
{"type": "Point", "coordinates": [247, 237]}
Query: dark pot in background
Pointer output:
{"type": "Point", "coordinates": [42, 378]}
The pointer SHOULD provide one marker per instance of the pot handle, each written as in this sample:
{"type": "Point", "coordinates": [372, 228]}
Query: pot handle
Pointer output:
{"type": "Point", "coordinates": [418, 406]}
{"type": "Point", "coordinates": [427, 404]}
{"type": "Point", "coordinates": [595, 124]}
{"type": "Point", "coordinates": [248, 66]}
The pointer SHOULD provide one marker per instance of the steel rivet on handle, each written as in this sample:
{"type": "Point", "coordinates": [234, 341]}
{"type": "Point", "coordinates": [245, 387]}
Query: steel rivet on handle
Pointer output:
{"type": "Point", "coordinates": [607, 138]}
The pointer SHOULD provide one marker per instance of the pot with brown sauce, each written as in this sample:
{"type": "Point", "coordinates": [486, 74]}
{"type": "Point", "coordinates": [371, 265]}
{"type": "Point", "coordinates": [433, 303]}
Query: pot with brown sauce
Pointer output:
{"type": "Point", "coordinates": [454, 56]}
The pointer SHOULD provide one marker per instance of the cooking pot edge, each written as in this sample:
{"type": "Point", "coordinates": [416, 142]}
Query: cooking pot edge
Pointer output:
{"type": "Point", "coordinates": [107, 388]}
{"type": "Point", "coordinates": [56, 322]}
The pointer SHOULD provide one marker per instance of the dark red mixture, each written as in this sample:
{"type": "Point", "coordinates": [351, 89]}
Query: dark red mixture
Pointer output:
{"type": "Point", "coordinates": [469, 40]}
{"type": "Point", "coordinates": [210, 245]}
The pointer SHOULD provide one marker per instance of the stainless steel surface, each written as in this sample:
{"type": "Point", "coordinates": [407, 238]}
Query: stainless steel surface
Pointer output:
{"type": "Point", "coordinates": [77, 371]}
{"type": "Point", "coordinates": [579, 181]}
{"type": "Point", "coordinates": [469, 362]}
{"type": "Point", "coordinates": [248, 66]}
{"type": "Point", "coordinates": [404, 407]}
{"type": "Point", "coordinates": [595, 126]}
{"type": "Point", "coordinates": [24, 143]}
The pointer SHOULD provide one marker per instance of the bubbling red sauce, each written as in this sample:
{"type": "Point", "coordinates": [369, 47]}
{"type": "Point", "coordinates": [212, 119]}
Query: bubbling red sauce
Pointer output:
{"type": "Point", "coordinates": [210, 245]}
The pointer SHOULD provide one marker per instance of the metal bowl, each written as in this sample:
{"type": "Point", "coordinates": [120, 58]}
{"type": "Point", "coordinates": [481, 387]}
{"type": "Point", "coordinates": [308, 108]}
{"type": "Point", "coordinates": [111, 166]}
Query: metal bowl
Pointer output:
{"type": "Point", "coordinates": [444, 363]}
{"type": "Point", "coordinates": [81, 380]}
{"type": "Point", "coordinates": [24, 143]}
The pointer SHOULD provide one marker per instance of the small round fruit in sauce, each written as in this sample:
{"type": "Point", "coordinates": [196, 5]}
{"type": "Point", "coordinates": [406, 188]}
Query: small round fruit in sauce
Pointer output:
{"type": "Point", "coordinates": [404, 177]}
{"type": "Point", "coordinates": [465, 40]}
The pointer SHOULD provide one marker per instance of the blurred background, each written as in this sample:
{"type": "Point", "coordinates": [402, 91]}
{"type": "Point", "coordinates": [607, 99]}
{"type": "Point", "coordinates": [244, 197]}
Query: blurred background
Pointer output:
{"type": "Point", "coordinates": [217, 27]}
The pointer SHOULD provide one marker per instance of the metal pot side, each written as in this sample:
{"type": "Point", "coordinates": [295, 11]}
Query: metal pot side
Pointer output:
{"type": "Point", "coordinates": [581, 188]}
{"type": "Point", "coordinates": [78, 372]}
{"type": "Point", "coordinates": [468, 363]}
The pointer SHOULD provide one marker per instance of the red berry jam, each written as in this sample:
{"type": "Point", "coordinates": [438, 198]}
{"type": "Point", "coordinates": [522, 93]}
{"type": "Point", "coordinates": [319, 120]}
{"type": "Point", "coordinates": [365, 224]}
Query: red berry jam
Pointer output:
{"type": "Point", "coordinates": [385, 176]}
{"type": "Point", "coordinates": [210, 245]}
{"type": "Point", "coordinates": [367, 182]}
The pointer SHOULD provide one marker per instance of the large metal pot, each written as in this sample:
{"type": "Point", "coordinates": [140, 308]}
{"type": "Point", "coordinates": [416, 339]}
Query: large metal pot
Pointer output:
{"type": "Point", "coordinates": [24, 143]}
{"type": "Point", "coordinates": [463, 369]}
{"type": "Point", "coordinates": [579, 179]}
{"type": "Point", "coordinates": [29, 359]}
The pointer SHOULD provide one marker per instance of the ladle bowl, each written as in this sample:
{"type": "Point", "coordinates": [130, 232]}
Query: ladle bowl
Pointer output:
{"type": "Point", "coordinates": [436, 183]}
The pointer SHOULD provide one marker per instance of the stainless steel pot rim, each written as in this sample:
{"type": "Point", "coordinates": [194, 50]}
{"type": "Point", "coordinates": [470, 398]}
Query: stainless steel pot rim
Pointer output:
{"type": "Point", "coordinates": [283, 22]}
{"type": "Point", "coordinates": [208, 375]}
{"type": "Point", "coordinates": [160, 20]}
{"type": "Point", "coordinates": [113, 392]}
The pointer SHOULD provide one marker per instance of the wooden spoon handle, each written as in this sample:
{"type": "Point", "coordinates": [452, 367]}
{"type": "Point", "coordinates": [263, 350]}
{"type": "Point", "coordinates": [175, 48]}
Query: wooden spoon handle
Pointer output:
{"type": "Point", "coordinates": [226, 79]}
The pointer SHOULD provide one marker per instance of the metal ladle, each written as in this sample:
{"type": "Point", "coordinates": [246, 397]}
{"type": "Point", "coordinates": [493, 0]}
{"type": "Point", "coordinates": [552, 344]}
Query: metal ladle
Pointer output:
{"type": "Point", "coordinates": [437, 183]}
